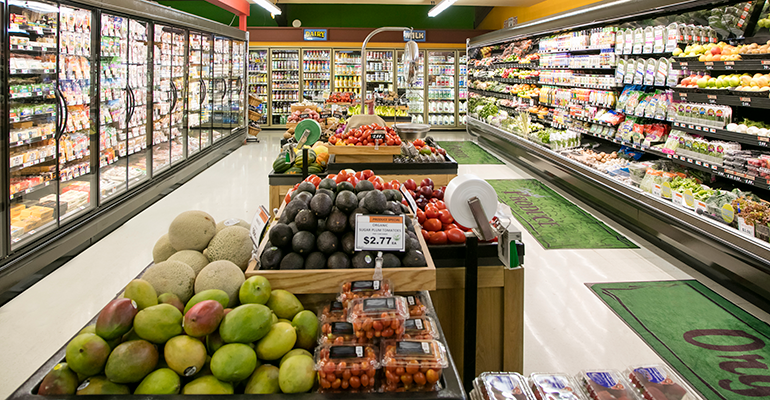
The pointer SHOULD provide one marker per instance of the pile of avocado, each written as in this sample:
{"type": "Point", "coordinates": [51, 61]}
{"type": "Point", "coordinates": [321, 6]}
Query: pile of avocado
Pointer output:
{"type": "Point", "coordinates": [316, 228]}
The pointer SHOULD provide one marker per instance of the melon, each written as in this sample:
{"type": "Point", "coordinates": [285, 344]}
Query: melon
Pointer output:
{"type": "Point", "coordinates": [171, 277]}
{"type": "Point", "coordinates": [222, 275]}
{"type": "Point", "coordinates": [232, 244]}
{"type": "Point", "coordinates": [192, 230]}
{"type": "Point", "coordinates": [193, 259]}
{"type": "Point", "coordinates": [232, 222]}
{"type": "Point", "coordinates": [162, 250]}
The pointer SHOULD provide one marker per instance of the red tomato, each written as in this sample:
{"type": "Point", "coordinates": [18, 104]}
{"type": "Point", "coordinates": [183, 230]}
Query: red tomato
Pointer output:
{"type": "Point", "coordinates": [332, 176]}
{"type": "Point", "coordinates": [432, 224]}
{"type": "Point", "coordinates": [333, 140]}
{"type": "Point", "coordinates": [420, 216]}
{"type": "Point", "coordinates": [378, 186]}
{"type": "Point", "coordinates": [288, 197]}
{"type": "Point", "coordinates": [359, 175]}
{"type": "Point", "coordinates": [447, 227]}
{"type": "Point", "coordinates": [368, 173]}
{"type": "Point", "coordinates": [390, 142]}
{"type": "Point", "coordinates": [371, 179]}
{"type": "Point", "coordinates": [445, 216]}
{"type": "Point", "coordinates": [437, 238]}
{"type": "Point", "coordinates": [296, 186]}
{"type": "Point", "coordinates": [441, 205]}
{"type": "Point", "coordinates": [353, 180]}
{"type": "Point", "coordinates": [340, 178]}
{"type": "Point", "coordinates": [455, 236]}
{"type": "Point", "coordinates": [431, 211]}
{"type": "Point", "coordinates": [386, 186]}
{"type": "Point", "coordinates": [395, 184]}
{"type": "Point", "coordinates": [425, 234]}
{"type": "Point", "coordinates": [410, 184]}
{"type": "Point", "coordinates": [315, 181]}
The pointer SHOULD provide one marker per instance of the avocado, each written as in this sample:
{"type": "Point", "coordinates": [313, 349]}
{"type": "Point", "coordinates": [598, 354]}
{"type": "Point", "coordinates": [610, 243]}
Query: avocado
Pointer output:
{"type": "Point", "coordinates": [412, 234]}
{"type": "Point", "coordinates": [409, 223]}
{"type": "Point", "coordinates": [360, 195]}
{"type": "Point", "coordinates": [328, 242]}
{"type": "Point", "coordinates": [393, 195]}
{"type": "Point", "coordinates": [388, 212]}
{"type": "Point", "coordinates": [283, 219]}
{"type": "Point", "coordinates": [328, 184]}
{"type": "Point", "coordinates": [394, 207]}
{"type": "Point", "coordinates": [413, 258]}
{"type": "Point", "coordinates": [363, 259]}
{"type": "Point", "coordinates": [337, 221]}
{"type": "Point", "coordinates": [375, 202]}
{"type": "Point", "coordinates": [362, 203]}
{"type": "Point", "coordinates": [294, 229]}
{"type": "Point", "coordinates": [321, 204]}
{"type": "Point", "coordinates": [280, 235]}
{"type": "Point", "coordinates": [271, 258]}
{"type": "Point", "coordinates": [321, 226]}
{"type": "Point", "coordinates": [306, 187]}
{"type": "Point", "coordinates": [292, 261]}
{"type": "Point", "coordinates": [412, 244]}
{"type": "Point", "coordinates": [390, 260]}
{"type": "Point", "coordinates": [348, 243]}
{"type": "Point", "coordinates": [364, 186]}
{"type": "Point", "coordinates": [303, 242]}
{"type": "Point", "coordinates": [306, 221]}
{"type": "Point", "coordinates": [293, 208]}
{"type": "Point", "coordinates": [315, 260]}
{"type": "Point", "coordinates": [304, 197]}
{"type": "Point", "coordinates": [338, 260]}
{"type": "Point", "coordinates": [346, 201]}
{"type": "Point", "coordinates": [352, 217]}
{"type": "Point", "coordinates": [332, 195]}
{"type": "Point", "coordinates": [343, 186]}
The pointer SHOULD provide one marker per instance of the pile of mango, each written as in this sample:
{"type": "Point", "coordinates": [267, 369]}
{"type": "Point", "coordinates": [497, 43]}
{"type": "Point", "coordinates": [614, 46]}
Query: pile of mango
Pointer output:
{"type": "Point", "coordinates": [146, 344]}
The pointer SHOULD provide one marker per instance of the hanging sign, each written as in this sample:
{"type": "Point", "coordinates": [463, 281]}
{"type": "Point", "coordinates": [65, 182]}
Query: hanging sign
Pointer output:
{"type": "Point", "coordinates": [315, 34]}
{"type": "Point", "coordinates": [417, 36]}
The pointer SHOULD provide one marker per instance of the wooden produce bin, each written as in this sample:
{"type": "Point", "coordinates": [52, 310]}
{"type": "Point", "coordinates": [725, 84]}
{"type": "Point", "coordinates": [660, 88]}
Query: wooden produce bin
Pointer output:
{"type": "Point", "coordinates": [280, 184]}
{"type": "Point", "coordinates": [440, 173]}
{"type": "Point", "coordinates": [364, 154]}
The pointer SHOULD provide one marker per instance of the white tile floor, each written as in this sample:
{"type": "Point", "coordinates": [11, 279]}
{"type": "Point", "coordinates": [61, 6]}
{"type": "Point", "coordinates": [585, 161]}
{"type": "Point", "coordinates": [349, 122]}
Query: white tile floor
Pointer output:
{"type": "Point", "coordinates": [567, 327]}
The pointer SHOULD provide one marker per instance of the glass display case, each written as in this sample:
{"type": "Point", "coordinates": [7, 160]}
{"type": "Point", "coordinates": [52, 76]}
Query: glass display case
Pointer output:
{"type": "Point", "coordinates": [170, 62]}
{"type": "Point", "coordinates": [441, 88]}
{"type": "Point", "coordinates": [285, 81]}
{"type": "Point", "coordinates": [199, 101]}
{"type": "Point", "coordinates": [222, 82]}
{"type": "Point", "coordinates": [258, 77]}
{"type": "Point", "coordinates": [347, 71]}
{"type": "Point", "coordinates": [415, 94]}
{"type": "Point", "coordinates": [316, 73]}
{"type": "Point", "coordinates": [236, 87]}
{"type": "Point", "coordinates": [462, 87]}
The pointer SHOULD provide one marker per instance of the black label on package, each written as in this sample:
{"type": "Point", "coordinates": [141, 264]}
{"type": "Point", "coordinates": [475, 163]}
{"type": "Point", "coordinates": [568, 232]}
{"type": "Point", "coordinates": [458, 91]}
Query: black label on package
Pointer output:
{"type": "Point", "coordinates": [337, 115]}
{"type": "Point", "coordinates": [364, 286]}
{"type": "Point", "coordinates": [304, 116]}
{"type": "Point", "coordinates": [413, 348]}
{"type": "Point", "coordinates": [378, 135]}
{"type": "Point", "coordinates": [415, 324]}
{"type": "Point", "coordinates": [325, 114]}
{"type": "Point", "coordinates": [346, 352]}
{"type": "Point", "coordinates": [342, 328]}
{"type": "Point", "coordinates": [386, 304]}
{"type": "Point", "coordinates": [411, 300]}
{"type": "Point", "coordinates": [336, 306]}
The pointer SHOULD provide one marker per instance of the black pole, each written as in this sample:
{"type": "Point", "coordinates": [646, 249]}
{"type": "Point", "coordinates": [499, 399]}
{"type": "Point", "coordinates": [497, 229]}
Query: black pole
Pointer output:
{"type": "Point", "coordinates": [304, 163]}
{"type": "Point", "coordinates": [471, 298]}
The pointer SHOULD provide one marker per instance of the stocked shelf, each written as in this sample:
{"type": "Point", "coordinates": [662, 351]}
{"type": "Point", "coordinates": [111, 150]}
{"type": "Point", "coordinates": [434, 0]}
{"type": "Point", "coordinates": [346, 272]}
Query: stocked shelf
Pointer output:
{"type": "Point", "coordinates": [739, 65]}
{"type": "Point", "coordinates": [724, 99]}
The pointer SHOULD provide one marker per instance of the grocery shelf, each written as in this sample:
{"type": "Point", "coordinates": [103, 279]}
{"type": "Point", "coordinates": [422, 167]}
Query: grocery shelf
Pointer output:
{"type": "Point", "coordinates": [32, 117]}
{"type": "Point", "coordinates": [30, 141]}
{"type": "Point", "coordinates": [739, 65]}
{"type": "Point", "coordinates": [496, 94]}
{"type": "Point", "coordinates": [31, 163]}
{"type": "Point", "coordinates": [576, 85]}
{"type": "Point", "coordinates": [724, 99]}
{"type": "Point", "coordinates": [31, 190]}
{"type": "Point", "coordinates": [31, 71]}
{"type": "Point", "coordinates": [560, 68]}
{"type": "Point", "coordinates": [723, 134]}
{"type": "Point", "coordinates": [32, 95]}
{"type": "Point", "coordinates": [578, 51]}
{"type": "Point", "coordinates": [515, 80]}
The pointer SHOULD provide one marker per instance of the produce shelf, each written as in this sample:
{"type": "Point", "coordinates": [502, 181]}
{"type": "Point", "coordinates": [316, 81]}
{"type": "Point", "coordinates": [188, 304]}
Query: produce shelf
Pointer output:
{"type": "Point", "coordinates": [575, 85]}
{"type": "Point", "coordinates": [516, 80]}
{"type": "Point", "coordinates": [744, 138]}
{"type": "Point", "coordinates": [578, 51]}
{"type": "Point", "coordinates": [739, 65]}
{"type": "Point", "coordinates": [496, 94]}
{"type": "Point", "coordinates": [724, 99]}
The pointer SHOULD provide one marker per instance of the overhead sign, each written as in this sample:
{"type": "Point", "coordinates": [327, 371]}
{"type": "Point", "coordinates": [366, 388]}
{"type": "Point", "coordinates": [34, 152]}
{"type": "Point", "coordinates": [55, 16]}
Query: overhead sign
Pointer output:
{"type": "Point", "coordinates": [417, 36]}
{"type": "Point", "coordinates": [315, 34]}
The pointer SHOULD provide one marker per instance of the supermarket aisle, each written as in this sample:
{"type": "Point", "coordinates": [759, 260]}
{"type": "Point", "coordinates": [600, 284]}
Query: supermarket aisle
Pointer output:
{"type": "Point", "coordinates": [567, 327]}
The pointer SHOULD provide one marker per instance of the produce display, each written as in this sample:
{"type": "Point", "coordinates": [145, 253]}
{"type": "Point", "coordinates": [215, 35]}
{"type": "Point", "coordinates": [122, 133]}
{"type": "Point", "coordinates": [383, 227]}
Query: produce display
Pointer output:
{"type": "Point", "coordinates": [341, 97]}
{"type": "Point", "coordinates": [307, 113]}
{"type": "Point", "coordinates": [418, 151]}
{"type": "Point", "coordinates": [412, 365]}
{"type": "Point", "coordinates": [318, 159]}
{"type": "Point", "coordinates": [362, 136]}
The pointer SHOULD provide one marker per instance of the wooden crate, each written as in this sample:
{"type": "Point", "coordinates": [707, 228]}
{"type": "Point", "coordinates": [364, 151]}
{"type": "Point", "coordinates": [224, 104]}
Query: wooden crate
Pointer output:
{"type": "Point", "coordinates": [364, 154]}
{"type": "Point", "coordinates": [302, 108]}
{"type": "Point", "coordinates": [329, 280]}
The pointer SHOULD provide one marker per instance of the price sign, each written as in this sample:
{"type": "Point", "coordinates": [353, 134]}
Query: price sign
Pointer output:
{"type": "Point", "coordinates": [257, 225]}
{"type": "Point", "coordinates": [378, 135]}
{"type": "Point", "coordinates": [745, 101]}
{"type": "Point", "coordinates": [380, 232]}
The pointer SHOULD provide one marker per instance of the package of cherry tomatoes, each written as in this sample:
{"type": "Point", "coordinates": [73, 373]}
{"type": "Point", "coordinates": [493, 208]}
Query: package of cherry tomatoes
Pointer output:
{"type": "Point", "coordinates": [656, 382]}
{"type": "Point", "coordinates": [503, 386]}
{"type": "Point", "coordinates": [422, 328]}
{"type": "Point", "coordinates": [606, 384]}
{"type": "Point", "coordinates": [340, 332]}
{"type": "Point", "coordinates": [412, 365]}
{"type": "Point", "coordinates": [418, 307]}
{"type": "Point", "coordinates": [346, 368]}
{"type": "Point", "coordinates": [381, 317]}
{"type": "Point", "coordinates": [364, 290]}
{"type": "Point", "coordinates": [333, 311]}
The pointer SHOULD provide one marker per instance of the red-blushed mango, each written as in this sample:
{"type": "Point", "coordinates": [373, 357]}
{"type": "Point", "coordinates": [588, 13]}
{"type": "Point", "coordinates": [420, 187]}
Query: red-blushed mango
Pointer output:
{"type": "Point", "coordinates": [158, 324]}
{"type": "Point", "coordinates": [212, 294]}
{"type": "Point", "coordinates": [170, 298]}
{"type": "Point", "coordinates": [87, 353]}
{"type": "Point", "coordinates": [101, 385]}
{"type": "Point", "coordinates": [61, 380]}
{"type": "Point", "coordinates": [203, 318]}
{"type": "Point", "coordinates": [116, 318]}
{"type": "Point", "coordinates": [131, 361]}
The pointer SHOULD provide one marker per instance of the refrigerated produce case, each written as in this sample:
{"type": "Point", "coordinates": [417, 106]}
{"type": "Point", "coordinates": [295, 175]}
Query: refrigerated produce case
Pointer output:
{"type": "Point", "coordinates": [641, 118]}
{"type": "Point", "coordinates": [97, 108]}
{"type": "Point", "coordinates": [442, 96]}
{"type": "Point", "coordinates": [200, 89]}
{"type": "Point", "coordinates": [258, 79]}
{"type": "Point", "coordinates": [462, 87]}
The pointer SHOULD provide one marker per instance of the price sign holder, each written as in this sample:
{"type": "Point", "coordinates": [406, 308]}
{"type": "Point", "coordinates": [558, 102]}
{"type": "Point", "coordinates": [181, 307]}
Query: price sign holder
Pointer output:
{"type": "Point", "coordinates": [258, 224]}
{"type": "Point", "coordinates": [378, 135]}
{"type": "Point", "coordinates": [380, 233]}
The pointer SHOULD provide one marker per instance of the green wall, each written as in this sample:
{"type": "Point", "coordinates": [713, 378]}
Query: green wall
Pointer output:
{"type": "Point", "coordinates": [340, 15]}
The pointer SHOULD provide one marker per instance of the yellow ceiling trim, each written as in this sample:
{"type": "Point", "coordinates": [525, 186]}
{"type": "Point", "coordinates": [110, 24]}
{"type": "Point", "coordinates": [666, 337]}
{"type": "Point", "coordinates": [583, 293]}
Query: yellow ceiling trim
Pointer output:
{"type": "Point", "coordinates": [355, 45]}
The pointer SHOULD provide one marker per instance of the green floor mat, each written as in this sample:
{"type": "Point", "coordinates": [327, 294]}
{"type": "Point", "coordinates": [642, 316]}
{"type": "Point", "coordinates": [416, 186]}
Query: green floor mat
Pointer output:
{"type": "Point", "coordinates": [553, 220]}
{"type": "Point", "coordinates": [468, 153]}
{"type": "Point", "coordinates": [721, 350]}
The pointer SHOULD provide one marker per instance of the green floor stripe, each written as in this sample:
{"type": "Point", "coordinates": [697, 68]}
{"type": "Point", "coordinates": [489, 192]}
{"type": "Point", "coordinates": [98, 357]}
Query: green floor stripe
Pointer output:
{"type": "Point", "coordinates": [553, 220]}
{"type": "Point", "coordinates": [721, 350]}
{"type": "Point", "coordinates": [468, 153]}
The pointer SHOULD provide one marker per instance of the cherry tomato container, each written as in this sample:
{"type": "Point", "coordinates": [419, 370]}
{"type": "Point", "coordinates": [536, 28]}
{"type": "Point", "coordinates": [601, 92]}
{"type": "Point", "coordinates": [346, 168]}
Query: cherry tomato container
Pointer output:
{"type": "Point", "coordinates": [412, 365]}
{"type": "Point", "coordinates": [657, 382]}
{"type": "Point", "coordinates": [340, 332]}
{"type": "Point", "coordinates": [381, 317]}
{"type": "Point", "coordinates": [555, 387]}
{"type": "Point", "coordinates": [417, 305]}
{"type": "Point", "coordinates": [347, 368]}
{"type": "Point", "coordinates": [332, 311]}
{"type": "Point", "coordinates": [503, 386]}
{"type": "Point", "coordinates": [606, 385]}
{"type": "Point", "coordinates": [421, 328]}
{"type": "Point", "coordinates": [352, 290]}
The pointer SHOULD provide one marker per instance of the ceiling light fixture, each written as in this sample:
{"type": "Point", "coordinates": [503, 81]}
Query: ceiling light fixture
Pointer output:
{"type": "Point", "coordinates": [440, 7]}
{"type": "Point", "coordinates": [274, 10]}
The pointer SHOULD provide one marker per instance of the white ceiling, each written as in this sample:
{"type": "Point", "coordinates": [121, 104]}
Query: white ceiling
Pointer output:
{"type": "Point", "coordinates": [500, 3]}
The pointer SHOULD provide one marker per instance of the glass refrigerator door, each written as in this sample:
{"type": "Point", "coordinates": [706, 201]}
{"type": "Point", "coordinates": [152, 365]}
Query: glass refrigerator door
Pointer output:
{"type": "Point", "coordinates": [137, 149]}
{"type": "Point", "coordinates": [237, 87]}
{"type": "Point", "coordinates": [415, 94]}
{"type": "Point", "coordinates": [34, 116]}
{"type": "Point", "coordinates": [178, 95]}
{"type": "Point", "coordinates": [379, 71]}
{"type": "Point", "coordinates": [316, 73]}
{"type": "Point", "coordinates": [441, 88]}
{"type": "Point", "coordinates": [163, 98]}
{"type": "Point", "coordinates": [258, 83]}
{"type": "Point", "coordinates": [285, 83]}
{"type": "Point", "coordinates": [207, 83]}
{"type": "Point", "coordinates": [347, 71]}
{"type": "Point", "coordinates": [196, 89]}
{"type": "Point", "coordinates": [222, 67]}
{"type": "Point", "coordinates": [462, 88]}
{"type": "Point", "coordinates": [75, 175]}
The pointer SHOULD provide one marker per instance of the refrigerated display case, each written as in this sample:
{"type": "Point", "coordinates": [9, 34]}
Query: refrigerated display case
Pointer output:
{"type": "Point", "coordinates": [222, 73]}
{"type": "Point", "coordinates": [441, 88]}
{"type": "Point", "coordinates": [415, 93]}
{"type": "Point", "coordinates": [199, 103]}
{"type": "Point", "coordinates": [258, 78]}
{"type": "Point", "coordinates": [379, 70]}
{"type": "Point", "coordinates": [462, 87]}
{"type": "Point", "coordinates": [168, 94]}
{"type": "Point", "coordinates": [316, 73]}
{"type": "Point", "coordinates": [285, 81]}
{"type": "Point", "coordinates": [347, 71]}
{"type": "Point", "coordinates": [235, 117]}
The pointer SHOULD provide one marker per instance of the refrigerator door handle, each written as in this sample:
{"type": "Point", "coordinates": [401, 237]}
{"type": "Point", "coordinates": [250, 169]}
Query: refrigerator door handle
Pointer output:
{"type": "Point", "coordinates": [225, 90]}
{"type": "Point", "coordinates": [240, 85]}
{"type": "Point", "coordinates": [175, 98]}
{"type": "Point", "coordinates": [63, 116]}
{"type": "Point", "coordinates": [131, 104]}
{"type": "Point", "coordinates": [204, 90]}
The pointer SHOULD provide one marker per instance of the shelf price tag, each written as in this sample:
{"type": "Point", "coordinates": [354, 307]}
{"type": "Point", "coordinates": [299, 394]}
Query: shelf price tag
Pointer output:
{"type": "Point", "coordinates": [656, 190]}
{"type": "Point", "coordinates": [380, 232]}
{"type": "Point", "coordinates": [261, 217]}
{"type": "Point", "coordinates": [745, 101]}
{"type": "Point", "coordinates": [665, 190]}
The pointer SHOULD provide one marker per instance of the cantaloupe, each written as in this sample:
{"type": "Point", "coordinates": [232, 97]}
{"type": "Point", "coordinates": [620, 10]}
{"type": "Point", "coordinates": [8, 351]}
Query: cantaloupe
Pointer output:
{"type": "Point", "coordinates": [194, 259]}
{"type": "Point", "coordinates": [232, 222]}
{"type": "Point", "coordinates": [162, 250]}
{"type": "Point", "coordinates": [233, 244]}
{"type": "Point", "coordinates": [222, 275]}
{"type": "Point", "coordinates": [192, 230]}
{"type": "Point", "coordinates": [172, 277]}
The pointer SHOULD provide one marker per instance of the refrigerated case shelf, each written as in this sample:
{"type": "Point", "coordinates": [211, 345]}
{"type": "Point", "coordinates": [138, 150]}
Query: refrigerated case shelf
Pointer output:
{"type": "Point", "coordinates": [32, 163]}
{"type": "Point", "coordinates": [29, 118]}
{"type": "Point", "coordinates": [30, 141]}
{"type": "Point", "coordinates": [31, 71]}
{"type": "Point", "coordinates": [31, 190]}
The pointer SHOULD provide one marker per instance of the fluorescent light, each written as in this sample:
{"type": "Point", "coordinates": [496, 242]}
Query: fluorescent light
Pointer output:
{"type": "Point", "coordinates": [268, 6]}
{"type": "Point", "coordinates": [440, 7]}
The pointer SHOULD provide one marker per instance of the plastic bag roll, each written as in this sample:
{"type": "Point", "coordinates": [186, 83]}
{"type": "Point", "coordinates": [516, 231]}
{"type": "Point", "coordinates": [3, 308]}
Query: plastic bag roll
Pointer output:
{"type": "Point", "coordinates": [463, 188]}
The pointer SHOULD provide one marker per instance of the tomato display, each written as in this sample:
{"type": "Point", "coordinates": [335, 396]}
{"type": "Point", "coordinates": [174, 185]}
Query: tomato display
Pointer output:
{"type": "Point", "coordinates": [381, 317]}
{"type": "Point", "coordinates": [347, 368]}
{"type": "Point", "coordinates": [362, 136]}
{"type": "Point", "coordinates": [413, 365]}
